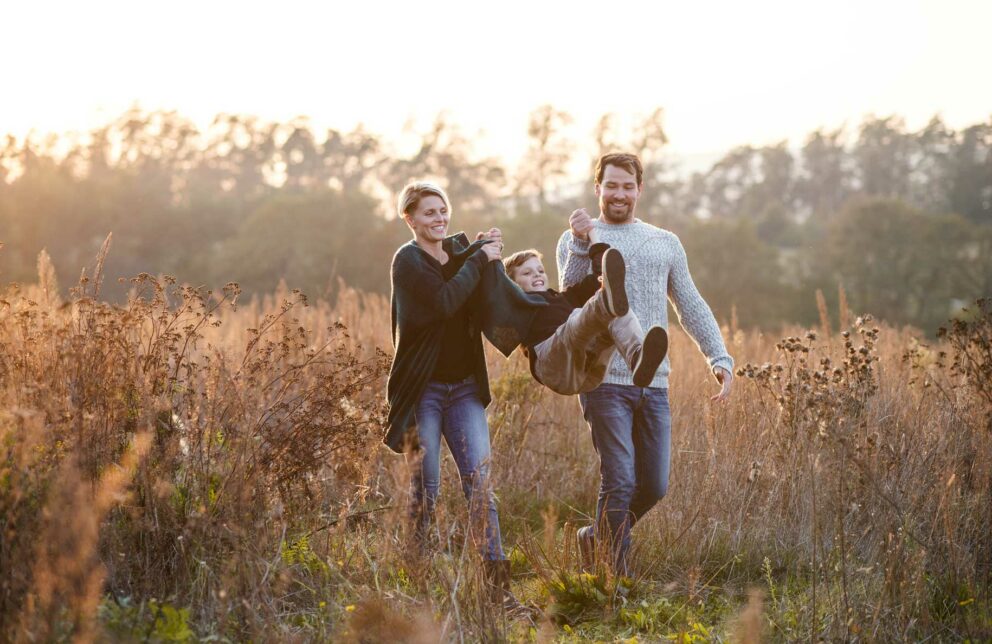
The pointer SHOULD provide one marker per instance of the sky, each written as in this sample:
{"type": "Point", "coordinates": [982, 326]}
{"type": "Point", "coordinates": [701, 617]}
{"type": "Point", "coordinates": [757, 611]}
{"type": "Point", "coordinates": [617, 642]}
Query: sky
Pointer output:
{"type": "Point", "coordinates": [726, 73]}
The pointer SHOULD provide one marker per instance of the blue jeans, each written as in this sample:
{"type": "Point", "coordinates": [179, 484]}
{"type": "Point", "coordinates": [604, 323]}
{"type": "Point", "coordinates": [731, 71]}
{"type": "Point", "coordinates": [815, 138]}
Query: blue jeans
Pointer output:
{"type": "Point", "coordinates": [632, 433]}
{"type": "Point", "coordinates": [453, 410]}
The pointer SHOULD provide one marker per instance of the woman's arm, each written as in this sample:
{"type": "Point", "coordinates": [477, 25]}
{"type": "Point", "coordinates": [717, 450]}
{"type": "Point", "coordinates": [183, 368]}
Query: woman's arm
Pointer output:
{"type": "Point", "coordinates": [423, 294]}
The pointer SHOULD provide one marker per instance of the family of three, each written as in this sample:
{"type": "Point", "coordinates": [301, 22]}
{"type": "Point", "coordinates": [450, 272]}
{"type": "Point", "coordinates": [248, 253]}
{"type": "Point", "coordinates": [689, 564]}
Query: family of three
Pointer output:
{"type": "Point", "coordinates": [616, 275]}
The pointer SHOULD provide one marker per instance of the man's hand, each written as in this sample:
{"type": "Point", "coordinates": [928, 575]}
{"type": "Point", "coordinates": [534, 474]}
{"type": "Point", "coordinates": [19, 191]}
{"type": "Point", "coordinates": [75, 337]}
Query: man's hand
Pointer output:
{"type": "Point", "coordinates": [726, 379]}
{"type": "Point", "coordinates": [580, 223]}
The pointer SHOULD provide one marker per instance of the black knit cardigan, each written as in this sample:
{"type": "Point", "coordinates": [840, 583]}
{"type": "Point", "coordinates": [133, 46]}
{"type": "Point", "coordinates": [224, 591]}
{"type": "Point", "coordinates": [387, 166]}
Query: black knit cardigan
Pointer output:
{"type": "Point", "coordinates": [421, 300]}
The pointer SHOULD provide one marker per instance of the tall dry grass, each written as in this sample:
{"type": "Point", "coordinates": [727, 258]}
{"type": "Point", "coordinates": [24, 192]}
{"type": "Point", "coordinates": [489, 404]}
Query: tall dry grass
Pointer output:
{"type": "Point", "coordinates": [186, 463]}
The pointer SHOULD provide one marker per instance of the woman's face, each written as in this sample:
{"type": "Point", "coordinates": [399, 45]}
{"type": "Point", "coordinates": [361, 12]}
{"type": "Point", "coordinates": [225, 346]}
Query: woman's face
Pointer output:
{"type": "Point", "coordinates": [429, 220]}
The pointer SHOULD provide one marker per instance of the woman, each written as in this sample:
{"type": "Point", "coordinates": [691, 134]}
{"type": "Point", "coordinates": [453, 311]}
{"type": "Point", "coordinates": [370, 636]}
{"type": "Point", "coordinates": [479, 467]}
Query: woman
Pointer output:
{"type": "Point", "coordinates": [438, 384]}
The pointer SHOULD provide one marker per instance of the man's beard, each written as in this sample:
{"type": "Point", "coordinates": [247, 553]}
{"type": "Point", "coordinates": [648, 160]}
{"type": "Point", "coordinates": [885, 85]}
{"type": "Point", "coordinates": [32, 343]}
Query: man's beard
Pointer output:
{"type": "Point", "coordinates": [618, 215]}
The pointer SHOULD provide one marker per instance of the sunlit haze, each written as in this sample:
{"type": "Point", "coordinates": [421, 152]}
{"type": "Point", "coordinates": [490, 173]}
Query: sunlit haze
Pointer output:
{"type": "Point", "coordinates": [726, 73]}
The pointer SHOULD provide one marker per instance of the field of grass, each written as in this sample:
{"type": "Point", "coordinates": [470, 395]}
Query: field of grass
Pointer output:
{"type": "Point", "coordinates": [192, 467]}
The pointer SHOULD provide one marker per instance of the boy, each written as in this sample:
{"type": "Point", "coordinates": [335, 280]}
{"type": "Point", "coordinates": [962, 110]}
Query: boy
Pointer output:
{"type": "Point", "coordinates": [571, 341]}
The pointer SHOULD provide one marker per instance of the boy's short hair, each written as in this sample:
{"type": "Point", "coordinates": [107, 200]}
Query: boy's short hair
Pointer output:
{"type": "Point", "coordinates": [414, 191]}
{"type": "Point", "coordinates": [517, 259]}
{"type": "Point", "coordinates": [628, 162]}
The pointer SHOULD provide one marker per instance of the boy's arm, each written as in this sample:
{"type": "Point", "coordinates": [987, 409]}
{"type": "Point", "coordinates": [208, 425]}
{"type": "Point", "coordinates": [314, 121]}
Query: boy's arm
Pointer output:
{"type": "Point", "coordinates": [581, 292]}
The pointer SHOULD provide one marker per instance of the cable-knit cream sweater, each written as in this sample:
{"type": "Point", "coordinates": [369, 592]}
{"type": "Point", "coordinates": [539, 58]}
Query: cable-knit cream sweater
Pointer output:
{"type": "Point", "coordinates": [657, 270]}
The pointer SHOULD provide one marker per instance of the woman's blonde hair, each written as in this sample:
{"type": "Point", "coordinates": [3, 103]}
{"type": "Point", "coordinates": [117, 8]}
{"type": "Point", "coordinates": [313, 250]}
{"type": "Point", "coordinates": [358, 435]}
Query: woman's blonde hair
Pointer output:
{"type": "Point", "coordinates": [414, 191]}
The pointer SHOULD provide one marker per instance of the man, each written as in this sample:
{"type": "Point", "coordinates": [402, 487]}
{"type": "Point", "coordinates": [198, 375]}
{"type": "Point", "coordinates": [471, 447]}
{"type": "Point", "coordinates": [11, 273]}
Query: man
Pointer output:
{"type": "Point", "coordinates": [630, 425]}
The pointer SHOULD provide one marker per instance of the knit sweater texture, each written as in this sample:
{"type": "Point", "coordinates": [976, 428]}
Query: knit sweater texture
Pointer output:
{"type": "Point", "coordinates": [657, 270]}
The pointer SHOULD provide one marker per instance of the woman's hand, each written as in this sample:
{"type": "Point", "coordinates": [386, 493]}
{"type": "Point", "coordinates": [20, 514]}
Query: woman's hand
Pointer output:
{"type": "Point", "coordinates": [496, 235]}
{"type": "Point", "coordinates": [493, 251]}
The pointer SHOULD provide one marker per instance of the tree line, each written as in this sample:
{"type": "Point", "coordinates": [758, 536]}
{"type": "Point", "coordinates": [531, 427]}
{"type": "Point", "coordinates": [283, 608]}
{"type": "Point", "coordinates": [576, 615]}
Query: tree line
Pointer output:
{"type": "Point", "coordinates": [900, 219]}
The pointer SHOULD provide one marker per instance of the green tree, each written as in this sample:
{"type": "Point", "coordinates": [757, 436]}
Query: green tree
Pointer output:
{"type": "Point", "coordinates": [547, 156]}
{"type": "Point", "coordinates": [309, 240]}
{"type": "Point", "coordinates": [733, 268]}
{"type": "Point", "coordinates": [883, 157]}
{"type": "Point", "coordinates": [898, 263]}
{"type": "Point", "coordinates": [826, 179]}
{"type": "Point", "coordinates": [933, 147]}
{"type": "Point", "coordinates": [748, 182]}
{"type": "Point", "coordinates": [446, 155]}
{"type": "Point", "coordinates": [970, 174]}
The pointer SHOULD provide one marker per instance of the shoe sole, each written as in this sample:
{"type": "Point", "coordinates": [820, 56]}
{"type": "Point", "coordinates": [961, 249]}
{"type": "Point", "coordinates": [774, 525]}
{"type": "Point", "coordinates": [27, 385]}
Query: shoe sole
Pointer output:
{"type": "Point", "coordinates": [653, 351]}
{"type": "Point", "coordinates": [614, 275]}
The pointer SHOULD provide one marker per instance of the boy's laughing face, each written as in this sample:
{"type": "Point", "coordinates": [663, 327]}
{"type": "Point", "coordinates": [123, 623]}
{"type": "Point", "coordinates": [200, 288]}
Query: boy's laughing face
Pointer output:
{"type": "Point", "coordinates": [530, 276]}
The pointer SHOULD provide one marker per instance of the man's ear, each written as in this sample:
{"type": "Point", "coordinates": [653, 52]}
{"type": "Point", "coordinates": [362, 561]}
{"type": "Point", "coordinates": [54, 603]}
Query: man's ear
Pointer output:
{"type": "Point", "coordinates": [597, 189]}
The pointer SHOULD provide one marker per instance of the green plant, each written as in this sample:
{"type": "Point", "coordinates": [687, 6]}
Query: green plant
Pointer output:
{"type": "Point", "coordinates": [151, 621]}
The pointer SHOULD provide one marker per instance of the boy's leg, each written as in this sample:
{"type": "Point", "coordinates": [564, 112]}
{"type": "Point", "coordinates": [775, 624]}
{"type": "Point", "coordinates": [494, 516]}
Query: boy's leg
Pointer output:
{"type": "Point", "coordinates": [642, 352]}
{"type": "Point", "coordinates": [628, 336]}
{"type": "Point", "coordinates": [571, 358]}
{"type": "Point", "coordinates": [653, 351]}
{"type": "Point", "coordinates": [561, 360]}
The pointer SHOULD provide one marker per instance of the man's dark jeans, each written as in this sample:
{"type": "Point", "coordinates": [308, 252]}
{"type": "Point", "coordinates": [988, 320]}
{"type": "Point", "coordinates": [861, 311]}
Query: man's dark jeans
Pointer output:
{"type": "Point", "coordinates": [632, 433]}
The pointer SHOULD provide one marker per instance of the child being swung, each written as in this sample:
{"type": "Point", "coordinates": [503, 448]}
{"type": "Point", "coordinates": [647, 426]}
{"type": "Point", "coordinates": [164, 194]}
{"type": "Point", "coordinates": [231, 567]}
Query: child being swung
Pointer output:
{"type": "Point", "coordinates": [571, 341]}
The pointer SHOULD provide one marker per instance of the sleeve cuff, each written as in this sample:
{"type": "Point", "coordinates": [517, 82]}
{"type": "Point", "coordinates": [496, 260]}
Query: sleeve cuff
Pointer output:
{"type": "Point", "coordinates": [578, 247]}
{"type": "Point", "coordinates": [480, 258]}
{"type": "Point", "coordinates": [723, 362]}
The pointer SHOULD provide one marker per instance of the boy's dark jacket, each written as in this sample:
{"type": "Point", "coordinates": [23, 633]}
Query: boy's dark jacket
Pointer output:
{"type": "Point", "coordinates": [421, 300]}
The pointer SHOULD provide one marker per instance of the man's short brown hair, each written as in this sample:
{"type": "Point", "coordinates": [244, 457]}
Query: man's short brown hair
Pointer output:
{"type": "Point", "coordinates": [516, 260]}
{"type": "Point", "coordinates": [628, 162]}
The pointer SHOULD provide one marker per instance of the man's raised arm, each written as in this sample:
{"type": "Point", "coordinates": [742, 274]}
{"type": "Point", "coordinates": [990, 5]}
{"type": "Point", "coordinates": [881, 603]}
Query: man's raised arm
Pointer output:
{"type": "Point", "coordinates": [572, 254]}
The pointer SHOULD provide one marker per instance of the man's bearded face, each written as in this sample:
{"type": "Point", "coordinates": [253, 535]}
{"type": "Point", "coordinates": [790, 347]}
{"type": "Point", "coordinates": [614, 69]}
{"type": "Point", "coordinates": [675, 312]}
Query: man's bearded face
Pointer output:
{"type": "Point", "coordinates": [618, 193]}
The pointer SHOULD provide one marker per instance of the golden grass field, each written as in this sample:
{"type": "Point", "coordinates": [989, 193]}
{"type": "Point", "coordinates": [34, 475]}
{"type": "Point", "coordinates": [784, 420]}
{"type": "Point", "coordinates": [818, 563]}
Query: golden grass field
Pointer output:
{"type": "Point", "coordinates": [179, 468]}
